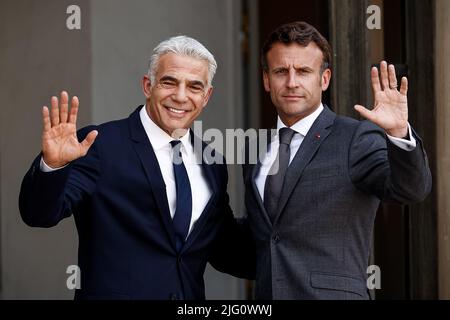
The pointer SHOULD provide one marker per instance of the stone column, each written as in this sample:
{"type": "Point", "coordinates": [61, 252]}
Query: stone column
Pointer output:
{"type": "Point", "coordinates": [442, 178]}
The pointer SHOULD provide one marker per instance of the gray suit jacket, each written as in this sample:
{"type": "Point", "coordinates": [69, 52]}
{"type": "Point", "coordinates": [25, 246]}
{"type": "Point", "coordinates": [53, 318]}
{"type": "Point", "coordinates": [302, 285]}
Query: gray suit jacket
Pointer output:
{"type": "Point", "coordinates": [319, 244]}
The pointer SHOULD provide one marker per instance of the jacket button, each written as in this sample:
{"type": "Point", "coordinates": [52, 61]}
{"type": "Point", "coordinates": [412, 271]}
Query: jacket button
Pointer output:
{"type": "Point", "coordinates": [179, 259]}
{"type": "Point", "coordinates": [173, 296]}
{"type": "Point", "coordinates": [276, 238]}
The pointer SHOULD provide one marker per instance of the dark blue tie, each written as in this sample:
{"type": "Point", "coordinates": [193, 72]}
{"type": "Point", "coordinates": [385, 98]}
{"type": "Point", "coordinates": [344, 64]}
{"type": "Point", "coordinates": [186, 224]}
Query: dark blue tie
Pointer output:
{"type": "Point", "coordinates": [183, 211]}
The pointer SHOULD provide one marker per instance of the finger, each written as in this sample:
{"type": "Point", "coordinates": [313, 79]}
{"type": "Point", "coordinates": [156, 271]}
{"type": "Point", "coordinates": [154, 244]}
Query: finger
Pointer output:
{"type": "Point", "coordinates": [54, 112]}
{"type": "Point", "coordinates": [73, 110]}
{"type": "Point", "coordinates": [404, 86]}
{"type": "Point", "coordinates": [364, 112]}
{"type": "Point", "coordinates": [376, 86]}
{"type": "Point", "coordinates": [392, 77]}
{"type": "Point", "coordinates": [384, 75]}
{"type": "Point", "coordinates": [88, 141]}
{"type": "Point", "coordinates": [64, 108]}
{"type": "Point", "coordinates": [46, 119]}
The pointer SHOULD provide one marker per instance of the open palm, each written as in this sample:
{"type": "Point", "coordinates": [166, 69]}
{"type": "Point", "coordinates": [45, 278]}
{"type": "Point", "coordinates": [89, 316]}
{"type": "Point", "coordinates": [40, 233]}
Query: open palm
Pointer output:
{"type": "Point", "coordinates": [390, 110]}
{"type": "Point", "coordinates": [59, 138]}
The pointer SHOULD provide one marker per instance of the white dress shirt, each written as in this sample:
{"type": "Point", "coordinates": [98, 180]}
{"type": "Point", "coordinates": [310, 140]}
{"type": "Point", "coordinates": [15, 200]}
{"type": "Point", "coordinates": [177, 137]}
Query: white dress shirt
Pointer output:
{"type": "Point", "coordinates": [160, 142]}
{"type": "Point", "coordinates": [301, 129]}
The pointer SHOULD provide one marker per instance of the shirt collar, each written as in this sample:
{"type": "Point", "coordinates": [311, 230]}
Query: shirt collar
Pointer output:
{"type": "Point", "coordinates": [157, 136]}
{"type": "Point", "coordinates": [303, 125]}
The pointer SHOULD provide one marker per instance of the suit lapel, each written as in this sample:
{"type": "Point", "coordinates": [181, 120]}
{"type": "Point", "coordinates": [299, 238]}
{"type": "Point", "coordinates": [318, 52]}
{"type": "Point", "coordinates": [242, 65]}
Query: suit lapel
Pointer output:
{"type": "Point", "coordinates": [254, 173]}
{"type": "Point", "coordinates": [150, 164]}
{"type": "Point", "coordinates": [311, 143]}
{"type": "Point", "coordinates": [208, 170]}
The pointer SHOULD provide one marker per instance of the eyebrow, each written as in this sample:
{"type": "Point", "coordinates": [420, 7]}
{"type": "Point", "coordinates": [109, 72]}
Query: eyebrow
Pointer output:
{"type": "Point", "coordinates": [190, 82]}
{"type": "Point", "coordinates": [304, 69]}
{"type": "Point", "coordinates": [279, 69]}
{"type": "Point", "coordinates": [196, 83]}
{"type": "Point", "coordinates": [168, 78]}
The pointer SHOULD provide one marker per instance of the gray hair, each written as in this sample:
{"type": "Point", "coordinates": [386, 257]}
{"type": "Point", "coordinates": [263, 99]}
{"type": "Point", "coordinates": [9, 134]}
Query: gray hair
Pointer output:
{"type": "Point", "coordinates": [185, 46]}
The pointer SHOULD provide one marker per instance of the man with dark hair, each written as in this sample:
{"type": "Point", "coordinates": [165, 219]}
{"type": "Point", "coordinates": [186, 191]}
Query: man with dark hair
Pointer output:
{"type": "Point", "coordinates": [312, 199]}
{"type": "Point", "coordinates": [301, 33]}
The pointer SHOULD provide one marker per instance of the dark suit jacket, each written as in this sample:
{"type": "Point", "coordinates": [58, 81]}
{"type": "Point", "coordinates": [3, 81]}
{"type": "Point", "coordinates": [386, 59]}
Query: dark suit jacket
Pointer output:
{"type": "Point", "coordinates": [319, 244]}
{"type": "Point", "coordinates": [126, 236]}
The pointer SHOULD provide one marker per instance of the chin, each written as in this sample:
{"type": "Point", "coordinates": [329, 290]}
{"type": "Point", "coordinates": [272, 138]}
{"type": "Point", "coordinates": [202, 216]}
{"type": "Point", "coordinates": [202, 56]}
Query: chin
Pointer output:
{"type": "Point", "coordinates": [294, 111]}
{"type": "Point", "coordinates": [178, 126]}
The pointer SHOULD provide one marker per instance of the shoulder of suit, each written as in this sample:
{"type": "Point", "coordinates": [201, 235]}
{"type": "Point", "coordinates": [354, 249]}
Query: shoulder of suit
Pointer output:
{"type": "Point", "coordinates": [346, 121]}
{"type": "Point", "coordinates": [351, 127]}
{"type": "Point", "coordinates": [351, 123]}
{"type": "Point", "coordinates": [105, 128]}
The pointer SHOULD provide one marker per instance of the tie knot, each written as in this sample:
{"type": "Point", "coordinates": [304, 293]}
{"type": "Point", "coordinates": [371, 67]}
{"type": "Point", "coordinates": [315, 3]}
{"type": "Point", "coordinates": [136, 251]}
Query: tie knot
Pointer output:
{"type": "Point", "coordinates": [175, 143]}
{"type": "Point", "coordinates": [176, 148]}
{"type": "Point", "coordinates": [286, 135]}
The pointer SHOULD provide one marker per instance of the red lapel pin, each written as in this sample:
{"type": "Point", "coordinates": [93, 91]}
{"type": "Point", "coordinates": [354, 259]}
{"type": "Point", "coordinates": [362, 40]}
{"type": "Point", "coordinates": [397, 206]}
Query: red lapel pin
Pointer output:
{"type": "Point", "coordinates": [317, 136]}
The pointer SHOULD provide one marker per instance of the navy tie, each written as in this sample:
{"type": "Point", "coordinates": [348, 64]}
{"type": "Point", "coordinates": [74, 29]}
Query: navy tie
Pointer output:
{"type": "Point", "coordinates": [183, 211]}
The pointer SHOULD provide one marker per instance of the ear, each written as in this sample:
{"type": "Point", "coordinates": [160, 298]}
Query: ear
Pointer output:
{"type": "Point", "coordinates": [207, 96]}
{"type": "Point", "coordinates": [146, 86]}
{"type": "Point", "coordinates": [266, 81]}
{"type": "Point", "coordinates": [326, 78]}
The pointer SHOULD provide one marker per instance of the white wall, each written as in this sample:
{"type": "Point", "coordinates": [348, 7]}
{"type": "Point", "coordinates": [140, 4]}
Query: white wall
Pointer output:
{"type": "Point", "coordinates": [38, 58]}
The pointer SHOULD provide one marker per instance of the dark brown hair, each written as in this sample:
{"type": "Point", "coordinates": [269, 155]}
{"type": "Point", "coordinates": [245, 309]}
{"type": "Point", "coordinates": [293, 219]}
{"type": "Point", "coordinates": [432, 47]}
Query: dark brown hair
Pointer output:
{"type": "Point", "coordinates": [297, 32]}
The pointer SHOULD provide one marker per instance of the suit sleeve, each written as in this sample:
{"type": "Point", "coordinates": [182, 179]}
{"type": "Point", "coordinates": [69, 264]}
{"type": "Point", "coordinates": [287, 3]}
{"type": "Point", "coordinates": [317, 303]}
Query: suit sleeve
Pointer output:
{"type": "Point", "coordinates": [233, 251]}
{"type": "Point", "coordinates": [48, 197]}
{"type": "Point", "coordinates": [379, 167]}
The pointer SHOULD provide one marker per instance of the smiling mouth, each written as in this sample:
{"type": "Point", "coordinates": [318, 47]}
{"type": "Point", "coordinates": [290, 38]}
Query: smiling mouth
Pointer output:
{"type": "Point", "coordinates": [177, 111]}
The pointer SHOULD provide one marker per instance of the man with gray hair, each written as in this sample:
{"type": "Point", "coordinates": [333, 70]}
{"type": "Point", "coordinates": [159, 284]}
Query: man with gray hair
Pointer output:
{"type": "Point", "coordinates": [143, 232]}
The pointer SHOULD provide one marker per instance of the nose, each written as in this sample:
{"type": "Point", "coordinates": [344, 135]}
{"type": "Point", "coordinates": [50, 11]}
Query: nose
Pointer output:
{"type": "Point", "coordinates": [292, 80]}
{"type": "Point", "coordinates": [180, 94]}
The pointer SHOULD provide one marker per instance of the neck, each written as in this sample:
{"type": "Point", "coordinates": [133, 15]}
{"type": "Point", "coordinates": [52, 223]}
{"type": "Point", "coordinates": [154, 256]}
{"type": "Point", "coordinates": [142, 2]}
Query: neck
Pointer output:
{"type": "Point", "coordinates": [290, 120]}
{"type": "Point", "coordinates": [174, 133]}
{"type": "Point", "coordinates": [177, 133]}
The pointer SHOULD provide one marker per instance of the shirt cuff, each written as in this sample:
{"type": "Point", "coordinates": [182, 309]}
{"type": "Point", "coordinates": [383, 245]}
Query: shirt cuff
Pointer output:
{"type": "Point", "coordinates": [404, 144]}
{"type": "Point", "coordinates": [45, 168]}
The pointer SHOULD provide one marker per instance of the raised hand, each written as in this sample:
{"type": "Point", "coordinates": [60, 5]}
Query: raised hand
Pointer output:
{"type": "Point", "coordinates": [390, 111]}
{"type": "Point", "coordinates": [59, 138]}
